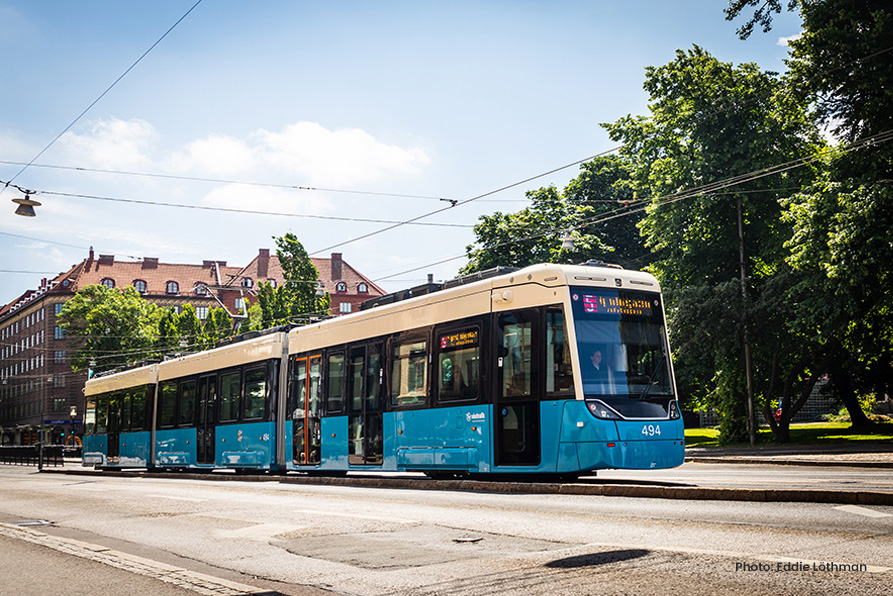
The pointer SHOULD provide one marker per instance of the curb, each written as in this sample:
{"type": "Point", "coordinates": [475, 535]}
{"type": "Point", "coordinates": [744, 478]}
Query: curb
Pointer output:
{"type": "Point", "coordinates": [692, 493]}
{"type": "Point", "coordinates": [786, 462]}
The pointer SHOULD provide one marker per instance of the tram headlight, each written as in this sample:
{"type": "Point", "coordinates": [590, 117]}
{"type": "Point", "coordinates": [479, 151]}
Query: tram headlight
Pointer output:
{"type": "Point", "coordinates": [674, 410]}
{"type": "Point", "coordinates": [602, 410]}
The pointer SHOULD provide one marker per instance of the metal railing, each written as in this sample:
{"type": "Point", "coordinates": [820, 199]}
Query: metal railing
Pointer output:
{"type": "Point", "coordinates": [39, 455]}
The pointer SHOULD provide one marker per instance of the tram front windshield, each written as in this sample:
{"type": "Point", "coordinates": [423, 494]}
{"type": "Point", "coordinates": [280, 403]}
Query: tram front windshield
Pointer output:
{"type": "Point", "coordinates": [624, 360]}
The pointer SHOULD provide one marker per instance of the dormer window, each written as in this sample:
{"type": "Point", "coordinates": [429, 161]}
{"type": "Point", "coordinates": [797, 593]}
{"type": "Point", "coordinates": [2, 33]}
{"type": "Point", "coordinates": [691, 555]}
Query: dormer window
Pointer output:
{"type": "Point", "coordinates": [140, 286]}
{"type": "Point", "coordinates": [272, 283]}
{"type": "Point", "coordinates": [172, 287]}
{"type": "Point", "coordinates": [247, 282]}
{"type": "Point", "coordinates": [341, 287]}
{"type": "Point", "coordinates": [362, 288]}
{"type": "Point", "coordinates": [108, 282]}
{"type": "Point", "coordinates": [201, 290]}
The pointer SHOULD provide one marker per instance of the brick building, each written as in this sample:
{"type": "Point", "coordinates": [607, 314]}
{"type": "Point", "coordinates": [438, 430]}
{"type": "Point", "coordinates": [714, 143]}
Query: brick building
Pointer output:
{"type": "Point", "coordinates": [38, 388]}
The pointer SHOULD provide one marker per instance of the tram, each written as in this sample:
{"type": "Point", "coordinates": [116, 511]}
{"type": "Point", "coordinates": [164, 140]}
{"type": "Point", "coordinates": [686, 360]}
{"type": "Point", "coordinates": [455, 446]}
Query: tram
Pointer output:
{"type": "Point", "coordinates": [546, 370]}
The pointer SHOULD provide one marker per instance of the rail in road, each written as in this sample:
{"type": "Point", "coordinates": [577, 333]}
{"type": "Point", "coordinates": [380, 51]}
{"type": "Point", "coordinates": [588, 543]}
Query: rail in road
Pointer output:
{"type": "Point", "coordinates": [618, 487]}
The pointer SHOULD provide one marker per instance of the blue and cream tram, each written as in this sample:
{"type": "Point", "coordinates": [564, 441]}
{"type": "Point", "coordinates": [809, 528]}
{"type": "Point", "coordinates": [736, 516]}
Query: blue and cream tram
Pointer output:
{"type": "Point", "coordinates": [545, 370]}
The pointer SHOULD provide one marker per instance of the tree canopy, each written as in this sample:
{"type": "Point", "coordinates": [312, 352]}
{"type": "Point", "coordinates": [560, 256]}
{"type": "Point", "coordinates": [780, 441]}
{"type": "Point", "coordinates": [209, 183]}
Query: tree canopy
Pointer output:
{"type": "Point", "coordinates": [297, 300]}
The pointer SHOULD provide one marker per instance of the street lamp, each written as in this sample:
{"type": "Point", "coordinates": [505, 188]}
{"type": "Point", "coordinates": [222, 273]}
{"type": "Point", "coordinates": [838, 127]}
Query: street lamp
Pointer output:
{"type": "Point", "coordinates": [26, 206]}
{"type": "Point", "coordinates": [73, 414]}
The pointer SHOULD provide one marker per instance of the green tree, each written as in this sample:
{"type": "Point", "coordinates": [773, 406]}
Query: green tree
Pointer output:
{"type": "Point", "coordinates": [712, 127]}
{"type": "Point", "coordinates": [843, 247]}
{"type": "Point", "coordinates": [534, 234]}
{"type": "Point", "coordinates": [296, 300]}
{"type": "Point", "coordinates": [218, 326]}
{"type": "Point", "coordinates": [116, 327]}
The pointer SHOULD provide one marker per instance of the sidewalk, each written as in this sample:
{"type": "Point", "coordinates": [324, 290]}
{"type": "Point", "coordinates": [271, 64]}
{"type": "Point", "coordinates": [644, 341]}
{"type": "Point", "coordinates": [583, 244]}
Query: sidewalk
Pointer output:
{"type": "Point", "coordinates": [877, 454]}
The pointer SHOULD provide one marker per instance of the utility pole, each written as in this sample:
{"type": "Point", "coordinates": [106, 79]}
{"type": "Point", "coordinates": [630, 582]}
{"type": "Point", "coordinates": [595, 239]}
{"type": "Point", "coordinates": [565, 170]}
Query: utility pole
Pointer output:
{"type": "Point", "coordinates": [748, 372]}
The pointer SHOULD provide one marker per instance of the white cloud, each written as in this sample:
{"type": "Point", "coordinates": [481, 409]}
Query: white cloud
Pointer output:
{"type": "Point", "coordinates": [111, 144]}
{"type": "Point", "coordinates": [216, 155]}
{"type": "Point", "coordinates": [784, 41]}
{"type": "Point", "coordinates": [303, 154]}
{"type": "Point", "coordinates": [342, 158]}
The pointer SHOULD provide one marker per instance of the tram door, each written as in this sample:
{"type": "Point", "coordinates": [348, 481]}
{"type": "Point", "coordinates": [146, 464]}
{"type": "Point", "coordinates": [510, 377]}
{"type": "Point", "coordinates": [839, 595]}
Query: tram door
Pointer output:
{"type": "Point", "coordinates": [365, 417]}
{"type": "Point", "coordinates": [114, 436]}
{"type": "Point", "coordinates": [517, 413]}
{"type": "Point", "coordinates": [305, 411]}
{"type": "Point", "coordinates": [207, 419]}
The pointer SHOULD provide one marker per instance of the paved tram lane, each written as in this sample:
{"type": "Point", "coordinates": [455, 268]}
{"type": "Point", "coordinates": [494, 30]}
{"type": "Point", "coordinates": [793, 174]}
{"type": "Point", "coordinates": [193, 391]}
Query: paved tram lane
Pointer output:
{"type": "Point", "coordinates": [375, 541]}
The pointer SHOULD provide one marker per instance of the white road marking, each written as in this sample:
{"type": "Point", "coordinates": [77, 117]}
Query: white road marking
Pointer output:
{"type": "Point", "coordinates": [862, 511]}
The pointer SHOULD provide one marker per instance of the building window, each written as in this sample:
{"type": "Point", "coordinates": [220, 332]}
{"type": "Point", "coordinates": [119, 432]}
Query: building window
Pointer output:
{"type": "Point", "coordinates": [341, 287]}
{"type": "Point", "coordinates": [60, 404]}
{"type": "Point", "coordinates": [272, 283]}
{"type": "Point", "coordinates": [58, 308]}
{"type": "Point", "coordinates": [362, 288]}
{"type": "Point", "coordinates": [201, 290]}
{"type": "Point", "coordinates": [108, 282]}
{"type": "Point", "coordinates": [240, 303]}
{"type": "Point", "coordinates": [59, 356]}
{"type": "Point", "coordinates": [59, 333]}
{"type": "Point", "coordinates": [201, 312]}
{"type": "Point", "coordinates": [247, 282]}
{"type": "Point", "coordinates": [172, 287]}
{"type": "Point", "coordinates": [140, 286]}
{"type": "Point", "coordinates": [344, 307]}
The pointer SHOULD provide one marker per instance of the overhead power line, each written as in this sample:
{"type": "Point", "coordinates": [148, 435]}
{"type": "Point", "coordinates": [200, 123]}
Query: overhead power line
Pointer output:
{"type": "Point", "coordinates": [712, 188]}
{"type": "Point", "coordinates": [245, 211]}
{"type": "Point", "coordinates": [228, 181]}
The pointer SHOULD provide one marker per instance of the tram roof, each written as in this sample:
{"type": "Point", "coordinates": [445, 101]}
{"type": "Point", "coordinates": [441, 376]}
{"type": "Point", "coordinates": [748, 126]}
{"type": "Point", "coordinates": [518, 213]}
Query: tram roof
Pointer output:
{"type": "Point", "coordinates": [471, 298]}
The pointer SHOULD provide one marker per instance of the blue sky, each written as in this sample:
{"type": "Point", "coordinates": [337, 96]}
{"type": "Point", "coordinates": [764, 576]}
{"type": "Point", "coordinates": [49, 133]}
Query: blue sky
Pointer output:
{"type": "Point", "coordinates": [432, 99]}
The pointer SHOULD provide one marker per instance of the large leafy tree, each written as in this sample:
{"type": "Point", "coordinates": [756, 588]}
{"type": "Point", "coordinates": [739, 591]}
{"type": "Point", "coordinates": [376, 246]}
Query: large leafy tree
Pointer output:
{"type": "Point", "coordinates": [296, 300]}
{"type": "Point", "coordinates": [585, 211]}
{"type": "Point", "coordinates": [116, 327]}
{"type": "Point", "coordinates": [843, 247]}
{"type": "Point", "coordinates": [700, 157]}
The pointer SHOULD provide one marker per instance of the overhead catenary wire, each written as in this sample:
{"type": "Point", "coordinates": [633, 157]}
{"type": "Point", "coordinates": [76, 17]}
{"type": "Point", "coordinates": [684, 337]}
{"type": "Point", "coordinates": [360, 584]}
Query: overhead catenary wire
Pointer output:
{"type": "Point", "coordinates": [230, 181]}
{"type": "Point", "coordinates": [244, 211]}
{"type": "Point", "coordinates": [641, 205]}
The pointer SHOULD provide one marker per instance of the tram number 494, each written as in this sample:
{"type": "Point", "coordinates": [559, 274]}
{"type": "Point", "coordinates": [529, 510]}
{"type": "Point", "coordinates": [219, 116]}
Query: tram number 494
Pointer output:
{"type": "Point", "coordinates": [651, 430]}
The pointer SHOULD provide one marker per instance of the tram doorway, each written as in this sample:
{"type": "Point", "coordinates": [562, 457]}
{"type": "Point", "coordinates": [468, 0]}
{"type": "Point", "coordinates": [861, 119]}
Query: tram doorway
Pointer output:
{"type": "Point", "coordinates": [517, 413]}
{"type": "Point", "coordinates": [305, 411]}
{"type": "Point", "coordinates": [365, 408]}
{"type": "Point", "coordinates": [207, 419]}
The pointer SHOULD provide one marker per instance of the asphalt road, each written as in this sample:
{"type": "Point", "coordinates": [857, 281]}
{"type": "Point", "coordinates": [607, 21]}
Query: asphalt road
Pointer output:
{"type": "Point", "coordinates": [377, 541]}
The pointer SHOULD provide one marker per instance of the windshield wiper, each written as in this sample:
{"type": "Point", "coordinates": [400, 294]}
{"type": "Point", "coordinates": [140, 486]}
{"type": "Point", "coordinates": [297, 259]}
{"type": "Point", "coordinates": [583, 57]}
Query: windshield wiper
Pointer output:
{"type": "Point", "coordinates": [650, 381]}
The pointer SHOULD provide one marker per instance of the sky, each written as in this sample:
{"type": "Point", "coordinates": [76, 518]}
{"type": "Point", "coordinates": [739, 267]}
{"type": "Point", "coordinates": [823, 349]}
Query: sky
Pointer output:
{"type": "Point", "coordinates": [306, 117]}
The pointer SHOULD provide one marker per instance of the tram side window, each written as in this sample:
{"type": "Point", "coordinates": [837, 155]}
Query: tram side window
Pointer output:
{"type": "Point", "coordinates": [114, 413]}
{"type": "Point", "coordinates": [187, 403]}
{"type": "Point", "coordinates": [517, 345]}
{"type": "Point", "coordinates": [90, 417]}
{"type": "Point", "coordinates": [559, 373]}
{"type": "Point", "coordinates": [459, 365]}
{"type": "Point", "coordinates": [255, 393]}
{"type": "Point", "coordinates": [102, 405]}
{"type": "Point", "coordinates": [230, 392]}
{"type": "Point", "coordinates": [125, 410]}
{"type": "Point", "coordinates": [167, 416]}
{"type": "Point", "coordinates": [409, 368]}
{"type": "Point", "coordinates": [335, 384]}
{"type": "Point", "coordinates": [138, 405]}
